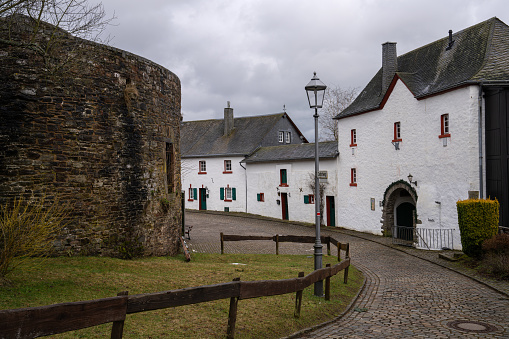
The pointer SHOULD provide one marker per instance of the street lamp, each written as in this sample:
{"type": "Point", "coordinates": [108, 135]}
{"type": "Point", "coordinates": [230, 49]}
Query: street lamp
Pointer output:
{"type": "Point", "coordinates": [315, 90]}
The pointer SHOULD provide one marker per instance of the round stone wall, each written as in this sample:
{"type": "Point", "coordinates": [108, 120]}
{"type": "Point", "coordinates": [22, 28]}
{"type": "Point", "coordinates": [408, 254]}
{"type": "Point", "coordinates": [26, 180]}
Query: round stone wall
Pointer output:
{"type": "Point", "coordinates": [98, 128]}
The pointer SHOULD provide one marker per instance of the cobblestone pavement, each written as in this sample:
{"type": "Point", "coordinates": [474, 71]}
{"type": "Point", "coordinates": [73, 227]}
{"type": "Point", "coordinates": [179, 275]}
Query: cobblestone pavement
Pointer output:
{"type": "Point", "coordinates": [404, 295]}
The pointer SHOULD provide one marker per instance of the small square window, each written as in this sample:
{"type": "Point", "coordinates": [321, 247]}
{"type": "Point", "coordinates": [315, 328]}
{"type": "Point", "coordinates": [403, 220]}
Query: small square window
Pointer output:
{"type": "Point", "coordinates": [288, 137]}
{"type": "Point", "coordinates": [227, 166]}
{"type": "Point", "coordinates": [353, 177]}
{"type": "Point", "coordinates": [397, 132]}
{"type": "Point", "coordinates": [444, 126]}
{"type": "Point", "coordinates": [260, 197]}
{"type": "Point", "coordinates": [283, 178]}
{"type": "Point", "coordinates": [281, 136]}
{"type": "Point", "coordinates": [309, 199]}
{"type": "Point", "coordinates": [353, 138]}
{"type": "Point", "coordinates": [202, 167]}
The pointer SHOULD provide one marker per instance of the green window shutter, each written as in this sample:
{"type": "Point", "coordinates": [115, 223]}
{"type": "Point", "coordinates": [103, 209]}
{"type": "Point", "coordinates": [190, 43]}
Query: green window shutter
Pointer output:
{"type": "Point", "coordinates": [221, 193]}
{"type": "Point", "coordinates": [234, 193]}
{"type": "Point", "coordinates": [195, 191]}
{"type": "Point", "coordinates": [306, 199]}
{"type": "Point", "coordinates": [258, 197]}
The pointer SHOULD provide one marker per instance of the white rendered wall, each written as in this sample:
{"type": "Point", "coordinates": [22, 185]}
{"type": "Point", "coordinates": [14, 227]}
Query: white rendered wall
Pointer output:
{"type": "Point", "coordinates": [265, 178]}
{"type": "Point", "coordinates": [213, 181]}
{"type": "Point", "coordinates": [443, 174]}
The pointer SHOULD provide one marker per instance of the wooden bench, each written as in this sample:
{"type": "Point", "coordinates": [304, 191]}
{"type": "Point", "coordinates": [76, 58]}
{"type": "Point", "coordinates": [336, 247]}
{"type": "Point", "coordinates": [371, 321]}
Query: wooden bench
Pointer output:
{"type": "Point", "coordinates": [187, 230]}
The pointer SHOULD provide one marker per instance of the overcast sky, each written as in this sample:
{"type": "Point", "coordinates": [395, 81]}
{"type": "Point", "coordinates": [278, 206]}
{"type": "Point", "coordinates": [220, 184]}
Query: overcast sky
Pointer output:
{"type": "Point", "coordinates": [259, 54]}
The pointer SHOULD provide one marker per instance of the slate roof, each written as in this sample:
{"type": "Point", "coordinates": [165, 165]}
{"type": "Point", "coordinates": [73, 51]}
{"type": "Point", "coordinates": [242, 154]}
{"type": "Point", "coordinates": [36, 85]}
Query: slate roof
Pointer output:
{"type": "Point", "coordinates": [205, 137]}
{"type": "Point", "coordinates": [479, 53]}
{"type": "Point", "coordinates": [326, 150]}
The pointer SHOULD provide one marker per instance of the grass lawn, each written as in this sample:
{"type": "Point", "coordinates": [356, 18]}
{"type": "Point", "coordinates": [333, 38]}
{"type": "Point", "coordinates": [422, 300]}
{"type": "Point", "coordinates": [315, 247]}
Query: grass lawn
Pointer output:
{"type": "Point", "coordinates": [56, 280]}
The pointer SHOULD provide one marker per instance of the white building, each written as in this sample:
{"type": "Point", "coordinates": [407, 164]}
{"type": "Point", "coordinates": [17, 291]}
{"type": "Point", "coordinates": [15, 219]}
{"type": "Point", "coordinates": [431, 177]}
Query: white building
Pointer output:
{"type": "Point", "coordinates": [434, 116]}
{"type": "Point", "coordinates": [212, 150]}
{"type": "Point", "coordinates": [280, 181]}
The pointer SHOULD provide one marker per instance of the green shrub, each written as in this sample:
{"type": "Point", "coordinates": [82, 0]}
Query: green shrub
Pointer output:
{"type": "Point", "coordinates": [478, 221]}
{"type": "Point", "coordinates": [28, 229]}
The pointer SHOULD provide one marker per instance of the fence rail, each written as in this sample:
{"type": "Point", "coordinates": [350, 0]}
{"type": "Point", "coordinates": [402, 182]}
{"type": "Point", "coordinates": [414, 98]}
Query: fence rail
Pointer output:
{"type": "Point", "coordinates": [430, 238]}
{"type": "Point", "coordinates": [59, 318]}
{"type": "Point", "coordinates": [288, 238]}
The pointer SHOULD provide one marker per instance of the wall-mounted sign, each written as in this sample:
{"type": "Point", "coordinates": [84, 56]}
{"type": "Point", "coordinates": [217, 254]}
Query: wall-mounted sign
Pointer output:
{"type": "Point", "coordinates": [322, 175]}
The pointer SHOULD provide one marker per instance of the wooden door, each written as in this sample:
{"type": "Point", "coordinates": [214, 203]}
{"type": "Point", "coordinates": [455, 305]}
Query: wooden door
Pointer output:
{"type": "Point", "coordinates": [284, 206]}
{"type": "Point", "coordinates": [497, 149]}
{"type": "Point", "coordinates": [203, 199]}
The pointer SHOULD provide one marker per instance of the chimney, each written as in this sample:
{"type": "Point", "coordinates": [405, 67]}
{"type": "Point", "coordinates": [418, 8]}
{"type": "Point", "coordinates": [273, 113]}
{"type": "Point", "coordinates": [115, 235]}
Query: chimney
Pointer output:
{"type": "Point", "coordinates": [451, 41]}
{"type": "Point", "coordinates": [389, 63]}
{"type": "Point", "coordinates": [228, 119]}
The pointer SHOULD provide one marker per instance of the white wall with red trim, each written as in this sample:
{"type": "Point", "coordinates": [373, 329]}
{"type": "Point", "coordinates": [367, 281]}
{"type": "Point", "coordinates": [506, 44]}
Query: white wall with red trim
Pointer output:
{"type": "Point", "coordinates": [444, 174]}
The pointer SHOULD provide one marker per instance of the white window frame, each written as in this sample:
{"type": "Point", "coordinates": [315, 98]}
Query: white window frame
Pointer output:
{"type": "Point", "coordinates": [202, 166]}
{"type": "Point", "coordinates": [281, 136]}
{"type": "Point", "coordinates": [288, 137]}
{"type": "Point", "coordinates": [227, 165]}
{"type": "Point", "coordinates": [228, 193]}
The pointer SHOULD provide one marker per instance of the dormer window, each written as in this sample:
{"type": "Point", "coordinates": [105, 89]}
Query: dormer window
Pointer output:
{"type": "Point", "coordinates": [281, 136]}
{"type": "Point", "coordinates": [288, 137]}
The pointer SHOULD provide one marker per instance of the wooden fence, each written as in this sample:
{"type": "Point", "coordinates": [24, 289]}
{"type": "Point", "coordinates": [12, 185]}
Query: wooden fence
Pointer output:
{"type": "Point", "coordinates": [47, 320]}
{"type": "Point", "coordinates": [289, 238]}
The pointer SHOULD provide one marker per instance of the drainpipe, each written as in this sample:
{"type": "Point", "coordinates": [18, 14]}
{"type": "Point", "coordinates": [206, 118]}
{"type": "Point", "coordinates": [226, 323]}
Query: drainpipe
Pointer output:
{"type": "Point", "coordinates": [245, 178]}
{"type": "Point", "coordinates": [481, 181]}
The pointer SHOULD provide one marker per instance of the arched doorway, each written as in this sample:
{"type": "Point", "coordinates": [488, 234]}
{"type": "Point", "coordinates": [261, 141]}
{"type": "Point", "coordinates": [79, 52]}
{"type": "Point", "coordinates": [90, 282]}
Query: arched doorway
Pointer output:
{"type": "Point", "coordinates": [399, 212]}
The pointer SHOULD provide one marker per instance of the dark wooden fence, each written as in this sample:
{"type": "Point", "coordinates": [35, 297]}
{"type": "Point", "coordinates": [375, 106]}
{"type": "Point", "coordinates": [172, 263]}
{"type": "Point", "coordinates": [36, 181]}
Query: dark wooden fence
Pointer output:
{"type": "Point", "coordinates": [288, 238]}
{"type": "Point", "coordinates": [47, 320]}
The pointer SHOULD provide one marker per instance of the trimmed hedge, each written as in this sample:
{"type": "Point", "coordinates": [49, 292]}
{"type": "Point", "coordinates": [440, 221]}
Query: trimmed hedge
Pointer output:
{"type": "Point", "coordinates": [478, 221]}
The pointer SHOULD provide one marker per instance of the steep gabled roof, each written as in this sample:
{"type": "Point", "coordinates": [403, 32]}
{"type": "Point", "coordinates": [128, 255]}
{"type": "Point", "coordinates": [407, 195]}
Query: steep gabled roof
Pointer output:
{"type": "Point", "coordinates": [326, 150]}
{"type": "Point", "coordinates": [206, 137]}
{"type": "Point", "coordinates": [479, 53]}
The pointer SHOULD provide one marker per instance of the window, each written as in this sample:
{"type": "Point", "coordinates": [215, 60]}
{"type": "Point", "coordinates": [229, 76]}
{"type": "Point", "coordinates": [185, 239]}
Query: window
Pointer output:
{"type": "Point", "coordinates": [260, 197]}
{"type": "Point", "coordinates": [353, 139]}
{"type": "Point", "coordinates": [227, 166]}
{"type": "Point", "coordinates": [397, 132]}
{"type": "Point", "coordinates": [281, 136]}
{"type": "Point", "coordinates": [228, 193]}
{"type": "Point", "coordinates": [193, 194]}
{"type": "Point", "coordinates": [353, 177]}
{"type": "Point", "coordinates": [288, 137]}
{"type": "Point", "coordinates": [444, 123]}
{"type": "Point", "coordinates": [283, 178]}
{"type": "Point", "coordinates": [309, 199]}
{"type": "Point", "coordinates": [202, 167]}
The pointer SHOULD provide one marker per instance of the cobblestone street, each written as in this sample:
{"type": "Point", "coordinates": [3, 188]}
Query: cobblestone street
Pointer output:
{"type": "Point", "coordinates": [404, 295]}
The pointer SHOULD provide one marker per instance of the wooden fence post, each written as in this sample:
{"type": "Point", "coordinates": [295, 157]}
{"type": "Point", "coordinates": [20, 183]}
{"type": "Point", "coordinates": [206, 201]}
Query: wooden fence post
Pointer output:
{"type": "Point", "coordinates": [339, 251]}
{"type": "Point", "coordinates": [328, 246]}
{"type": "Point", "coordinates": [348, 257]}
{"type": "Point", "coordinates": [232, 315]}
{"type": "Point", "coordinates": [327, 284]}
{"type": "Point", "coordinates": [117, 328]}
{"type": "Point", "coordinates": [277, 244]}
{"type": "Point", "coordinates": [298, 300]}
{"type": "Point", "coordinates": [222, 243]}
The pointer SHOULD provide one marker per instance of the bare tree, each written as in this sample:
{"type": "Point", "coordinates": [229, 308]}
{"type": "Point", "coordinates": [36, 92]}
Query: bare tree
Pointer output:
{"type": "Point", "coordinates": [31, 17]}
{"type": "Point", "coordinates": [336, 100]}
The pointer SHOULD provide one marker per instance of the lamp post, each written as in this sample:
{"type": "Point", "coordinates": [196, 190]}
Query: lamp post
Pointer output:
{"type": "Point", "coordinates": [315, 91]}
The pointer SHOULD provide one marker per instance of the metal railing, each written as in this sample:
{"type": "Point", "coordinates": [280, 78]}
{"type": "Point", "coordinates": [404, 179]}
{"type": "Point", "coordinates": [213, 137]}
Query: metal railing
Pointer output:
{"type": "Point", "coordinates": [427, 238]}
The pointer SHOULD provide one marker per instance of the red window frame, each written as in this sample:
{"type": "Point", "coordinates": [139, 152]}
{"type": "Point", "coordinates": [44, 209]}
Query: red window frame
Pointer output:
{"type": "Point", "coordinates": [444, 126]}
{"type": "Point", "coordinates": [226, 170]}
{"type": "Point", "coordinates": [353, 138]}
{"type": "Point", "coordinates": [283, 183]}
{"type": "Point", "coordinates": [200, 163]}
{"type": "Point", "coordinates": [353, 177]}
{"type": "Point", "coordinates": [397, 132]}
